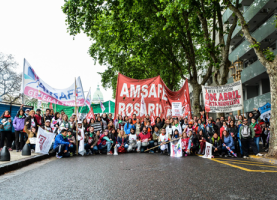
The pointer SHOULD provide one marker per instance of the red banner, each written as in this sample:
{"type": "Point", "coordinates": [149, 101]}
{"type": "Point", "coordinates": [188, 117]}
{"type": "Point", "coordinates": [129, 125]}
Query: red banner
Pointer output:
{"type": "Point", "coordinates": [158, 98]}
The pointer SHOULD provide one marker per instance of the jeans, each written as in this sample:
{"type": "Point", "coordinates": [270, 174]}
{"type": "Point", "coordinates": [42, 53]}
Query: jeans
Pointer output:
{"type": "Point", "coordinates": [125, 146]}
{"type": "Point", "coordinates": [245, 143]}
{"type": "Point", "coordinates": [257, 140]}
{"type": "Point", "coordinates": [19, 134]}
{"type": "Point", "coordinates": [60, 150]}
{"type": "Point", "coordinates": [224, 149]}
{"type": "Point", "coordinates": [108, 145]}
{"type": "Point", "coordinates": [8, 135]}
{"type": "Point", "coordinates": [88, 147]}
{"type": "Point", "coordinates": [32, 146]}
{"type": "Point", "coordinates": [241, 151]}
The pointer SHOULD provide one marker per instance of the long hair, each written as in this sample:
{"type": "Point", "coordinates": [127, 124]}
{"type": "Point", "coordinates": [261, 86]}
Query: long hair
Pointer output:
{"type": "Point", "coordinates": [18, 113]}
{"type": "Point", "coordinates": [227, 135]}
{"type": "Point", "coordinates": [124, 135]}
{"type": "Point", "coordinates": [56, 115]}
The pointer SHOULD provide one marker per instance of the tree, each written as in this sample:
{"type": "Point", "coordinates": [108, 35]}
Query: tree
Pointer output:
{"type": "Point", "coordinates": [142, 39]}
{"type": "Point", "coordinates": [267, 58]}
{"type": "Point", "coordinates": [10, 81]}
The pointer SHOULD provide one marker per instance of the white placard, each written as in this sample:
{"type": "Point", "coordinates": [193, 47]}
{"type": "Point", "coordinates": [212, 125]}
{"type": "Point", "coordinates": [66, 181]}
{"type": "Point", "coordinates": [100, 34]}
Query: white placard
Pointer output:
{"type": "Point", "coordinates": [177, 109]}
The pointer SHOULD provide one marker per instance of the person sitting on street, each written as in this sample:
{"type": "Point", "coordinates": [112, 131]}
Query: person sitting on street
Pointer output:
{"type": "Point", "coordinates": [146, 140]}
{"type": "Point", "coordinates": [122, 142]}
{"type": "Point", "coordinates": [227, 141]}
{"type": "Point", "coordinates": [61, 144]}
{"type": "Point", "coordinates": [134, 143]}
{"type": "Point", "coordinates": [91, 140]}
{"type": "Point", "coordinates": [217, 145]}
{"type": "Point", "coordinates": [155, 135]}
{"type": "Point", "coordinates": [163, 138]}
{"type": "Point", "coordinates": [111, 136]}
{"type": "Point", "coordinates": [193, 143]}
{"type": "Point", "coordinates": [104, 142]}
{"type": "Point", "coordinates": [71, 139]}
{"type": "Point", "coordinates": [247, 134]}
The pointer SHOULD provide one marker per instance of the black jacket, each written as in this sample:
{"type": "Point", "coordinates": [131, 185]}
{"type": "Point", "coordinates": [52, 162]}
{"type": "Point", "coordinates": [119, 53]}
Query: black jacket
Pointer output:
{"type": "Point", "coordinates": [255, 116]}
{"type": "Point", "coordinates": [28, 119]}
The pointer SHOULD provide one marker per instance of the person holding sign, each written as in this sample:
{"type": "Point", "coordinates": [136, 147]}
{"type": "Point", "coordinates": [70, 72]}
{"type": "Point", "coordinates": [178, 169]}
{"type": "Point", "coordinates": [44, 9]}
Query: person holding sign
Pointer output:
{"type": "Point", "coordinates": [32, 136]}
{"type": "Point", "coordinates": [163, 138]}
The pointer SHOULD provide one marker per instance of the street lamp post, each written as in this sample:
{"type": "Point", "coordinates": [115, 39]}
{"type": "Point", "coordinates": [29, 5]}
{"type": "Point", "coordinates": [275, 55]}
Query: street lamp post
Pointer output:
{"type": "Point", "coordinates": [236, 69]}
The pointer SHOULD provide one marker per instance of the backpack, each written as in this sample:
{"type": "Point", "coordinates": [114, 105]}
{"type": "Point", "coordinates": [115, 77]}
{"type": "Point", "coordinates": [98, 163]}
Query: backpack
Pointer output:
{"type": "Point", "coordinates": [246, 133]}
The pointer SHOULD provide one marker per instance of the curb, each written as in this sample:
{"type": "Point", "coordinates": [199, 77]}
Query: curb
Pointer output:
{"type": "Point", "coordinates": [14, 165]}
{"type": "Point", "coordinates": [263, 159]}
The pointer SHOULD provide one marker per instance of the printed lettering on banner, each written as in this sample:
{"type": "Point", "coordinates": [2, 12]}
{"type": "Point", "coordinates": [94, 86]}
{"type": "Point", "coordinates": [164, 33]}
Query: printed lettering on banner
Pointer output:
{"type": "Point", "coordinates": [224, 98]}
{"type": "Point", "coordinates": [177, 109]}
{"type": "Point", "coordinates": [35, 87]}
{"type": "Point", "coordinates": [149, 96]}
{"type": "Point", "coordinates": [208, 150]}
{"type": "Point", "coordinates": [44, 141]}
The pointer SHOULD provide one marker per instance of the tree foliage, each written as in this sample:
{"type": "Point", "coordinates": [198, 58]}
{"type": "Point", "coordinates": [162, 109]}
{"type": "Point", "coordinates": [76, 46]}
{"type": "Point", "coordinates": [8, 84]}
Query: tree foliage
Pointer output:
{"type": "Point", "coordinates": [143, 39]}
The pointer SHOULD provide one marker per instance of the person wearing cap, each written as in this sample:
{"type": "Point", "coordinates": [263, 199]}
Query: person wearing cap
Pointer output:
{"type": "Point", "coordinates": [32, 120]}
{"type": "Point", "coordinates": [47, 126]}
{"type": "Point", "coordinates": [61, 145]}
{"type": "Point", "coordinates": [189, 128]}
{"type": "Point", "coordinates": [38, 117]}
{"type": "Point", "coordinates": [27, 111]}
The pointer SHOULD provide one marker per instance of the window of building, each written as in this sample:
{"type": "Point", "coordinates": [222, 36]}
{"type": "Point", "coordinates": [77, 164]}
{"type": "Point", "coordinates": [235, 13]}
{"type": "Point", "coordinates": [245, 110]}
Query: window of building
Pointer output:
{"type": "Point", "coordinates": [265, 86]}
{"type": "Point", "coordinates": [252, 91]}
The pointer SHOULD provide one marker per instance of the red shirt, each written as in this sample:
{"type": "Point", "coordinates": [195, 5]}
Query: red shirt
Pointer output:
{"type": "Point", "coordinates": [143, 137]}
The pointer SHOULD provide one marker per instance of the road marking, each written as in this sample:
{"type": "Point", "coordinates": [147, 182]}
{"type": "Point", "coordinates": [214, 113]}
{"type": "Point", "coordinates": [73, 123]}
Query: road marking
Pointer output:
{"type": "Point", "coordinates": [242, 168]}
{"type": "Point", "coordinates": [242, 161]}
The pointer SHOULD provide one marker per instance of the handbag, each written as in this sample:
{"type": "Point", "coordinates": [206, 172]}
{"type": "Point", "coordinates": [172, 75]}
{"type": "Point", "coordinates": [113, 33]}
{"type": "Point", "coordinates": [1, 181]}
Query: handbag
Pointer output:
{"type": "Point", "coordinates": [121, 149]}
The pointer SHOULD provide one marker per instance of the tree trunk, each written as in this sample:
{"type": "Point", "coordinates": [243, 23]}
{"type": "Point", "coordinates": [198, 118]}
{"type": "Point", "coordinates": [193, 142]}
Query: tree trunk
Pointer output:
{"type": "Point", "coordinates": [196, 99]}
{"type": "Point", "coordinates": [273, 120]}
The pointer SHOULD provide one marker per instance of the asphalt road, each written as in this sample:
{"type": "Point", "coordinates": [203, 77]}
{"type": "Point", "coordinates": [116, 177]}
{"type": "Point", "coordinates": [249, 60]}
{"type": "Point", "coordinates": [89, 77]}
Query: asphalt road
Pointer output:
{"type": "Point", "coordinates": [141, 176]}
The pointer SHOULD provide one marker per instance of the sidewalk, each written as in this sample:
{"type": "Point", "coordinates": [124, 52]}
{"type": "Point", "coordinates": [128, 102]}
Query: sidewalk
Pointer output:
{"type": "Point", "coordinates": [18, 161]}
{"type": "Point", "coordinates": [264, 158]}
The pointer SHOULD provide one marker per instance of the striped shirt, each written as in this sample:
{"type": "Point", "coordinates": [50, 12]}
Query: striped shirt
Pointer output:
{"type": "Point", "coordinates": [97, 126]}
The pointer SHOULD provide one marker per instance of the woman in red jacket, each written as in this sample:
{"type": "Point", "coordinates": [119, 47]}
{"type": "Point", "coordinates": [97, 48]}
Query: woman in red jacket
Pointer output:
{"type": "Point", "coordinates": [223, 128]}
{"type": "Point", "coordinates": [258, 132]}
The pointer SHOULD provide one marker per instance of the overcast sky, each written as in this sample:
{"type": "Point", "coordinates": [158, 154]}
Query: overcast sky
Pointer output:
{"type": "Point", "coordinates": [36, 30]}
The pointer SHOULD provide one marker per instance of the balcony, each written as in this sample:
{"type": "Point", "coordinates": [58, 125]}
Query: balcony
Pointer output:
{"type": "Point", "coordinates": [227, 15]}
{"type": "Point", "coordinates": [264, 31]}
{"type": "Point", "coordinates": [253, 70]}
{"type": "Point", "coordinates": [256, 102]}
{"type": "Point", "coordinates": [253, 15]}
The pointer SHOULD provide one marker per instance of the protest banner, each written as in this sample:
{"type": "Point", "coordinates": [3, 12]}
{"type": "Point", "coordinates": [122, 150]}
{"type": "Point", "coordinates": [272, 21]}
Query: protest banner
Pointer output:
{"type": "Point", "coordinates": [224, 98]}
{"type": "Point", "coordinates": [44, 141]}
{"type": "Point", "coordinates": [208, 150]}
{"type": "Point", "coordinates": [265, 111]}
{"type": "Point", "coordinates": [157, 98]}
{"type": "Point", "coordinates": [177, 109]}
{"type": "Point", "coordinates": [81, 142]}
{"type": "Point", "coordinates": [32, 85]}
{"type": "Point", "coordinates": [176, 149]}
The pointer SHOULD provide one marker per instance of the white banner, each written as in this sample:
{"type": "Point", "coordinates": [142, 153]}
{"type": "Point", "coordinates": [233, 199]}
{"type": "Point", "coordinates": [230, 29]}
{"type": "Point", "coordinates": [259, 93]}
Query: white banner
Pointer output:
{"type": "Point", "coordinates": [44, 141]}
{"type": "Point", "coordinates": [176, 149]}
{"type": "Point", "coordinates": [31, 84]}
{"type": "Point", "coordinates": [224, 98]}
{"type": "Point", "coordinates": [81, 143]}
{"type": "Point", "coordinates": [208, 150]}
{"type": "Point", "coordinates": [177, 109]}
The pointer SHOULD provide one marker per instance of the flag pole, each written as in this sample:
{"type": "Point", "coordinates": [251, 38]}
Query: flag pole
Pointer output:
{"type": "Point", "coordinates": [84, 101]}
{"type": "Point", "coordinates": [77, 145]}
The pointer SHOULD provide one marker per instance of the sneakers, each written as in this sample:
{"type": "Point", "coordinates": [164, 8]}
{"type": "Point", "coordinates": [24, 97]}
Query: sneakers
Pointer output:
{"type": "Point", "coordinates": [71, 154]}
{"type": "Point", "coordinates": [151, 151]}
{"type": "Point", "coordinates": [57, 156]}
{"type": "Point", "coordinates": [259, 154]}
{"type": "Point", "coordinates": [220, 156]}
{"type": "Point", "coordinates": [266, 150]}
{"type": "Point", "coordinates": [245, 157]}
{"type": "Point", "coordinates": [32, 151]}
{"type": "Point", "coordinates": [110, 153]}
{"type": "Point", "coordinates": [10, 149]}
{"type": "Point", "coordinates": [226, 156]}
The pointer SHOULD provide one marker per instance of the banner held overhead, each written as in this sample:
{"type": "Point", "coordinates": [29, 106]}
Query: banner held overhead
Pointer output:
{"type": "Point", "coordinates": [150, 93]}
{"type": "Point", "coordinates": [224, 98]}
{"type": "Point", "coordinates": [31, 84]}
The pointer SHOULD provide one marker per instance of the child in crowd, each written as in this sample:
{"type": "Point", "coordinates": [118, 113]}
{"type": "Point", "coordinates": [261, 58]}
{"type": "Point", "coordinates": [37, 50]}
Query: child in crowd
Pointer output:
{"type": "Point", "coordinates": [185, 143]}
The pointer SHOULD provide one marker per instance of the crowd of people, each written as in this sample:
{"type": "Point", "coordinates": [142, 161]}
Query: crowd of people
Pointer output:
{"type": "Point", "coordinates": [111, 136]}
